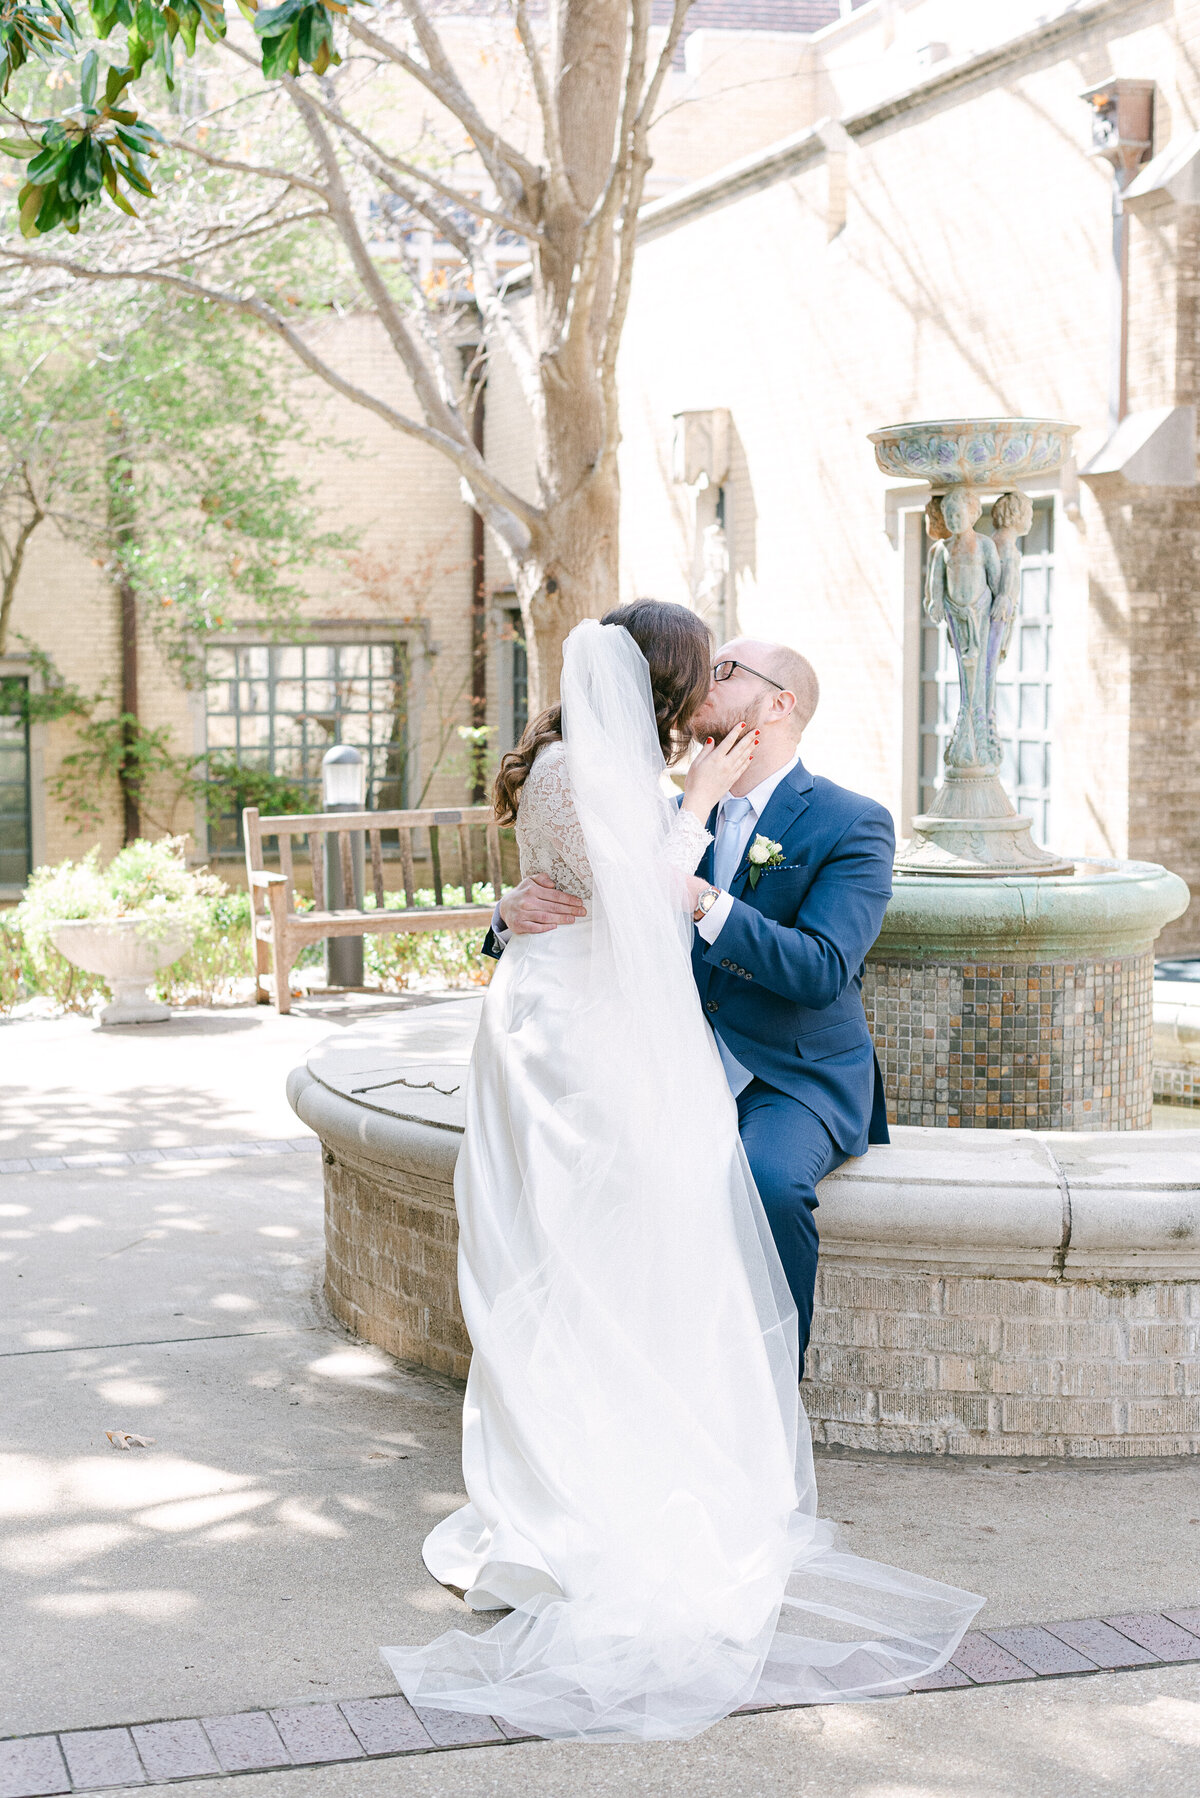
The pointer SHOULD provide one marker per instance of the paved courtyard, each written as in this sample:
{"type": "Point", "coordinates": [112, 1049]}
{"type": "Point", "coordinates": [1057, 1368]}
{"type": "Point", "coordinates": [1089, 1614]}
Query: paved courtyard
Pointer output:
{"type": "Point", "coordinates": [208, 1603]}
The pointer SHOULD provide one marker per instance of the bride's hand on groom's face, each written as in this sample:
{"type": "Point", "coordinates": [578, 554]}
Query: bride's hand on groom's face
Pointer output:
{"type": "Point", "coordinates": [717, 768]}
{"type": "Point", "coordinates": [537, 905]}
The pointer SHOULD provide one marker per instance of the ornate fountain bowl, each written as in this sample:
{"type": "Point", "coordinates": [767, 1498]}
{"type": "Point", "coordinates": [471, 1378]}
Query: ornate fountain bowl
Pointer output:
{"type": "Point", "coordinates": [973, 452]}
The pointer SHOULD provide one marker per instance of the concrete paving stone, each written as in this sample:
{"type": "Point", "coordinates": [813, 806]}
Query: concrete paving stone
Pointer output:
{"type": "Point", "coordinates": [1042, 1651]}
{"type": "Point", "coordinates": [385, 1725]}
{"type": "Point", "coordinates": [102, 1757]}
{"type": "Point", "coordinates": [984, 1661]}
{"type": "Point", "coordinates": [97, 1158]}
{"type": "Point", "coordinates": [175, 1750]}
{"type": "Point", "coordinates": [32, 1767]}
{"type": "Point", "coordinates": [1189, 1620]}
{"type": "Point", "coordinates": [246, 1742]}
{"type": "Point", "coordinates": [1163, 1638]}
{"type": "Point", "coordinates": [458, 1729]}
{"type": "Point", "coordinates": [316, 1732]}
{"type": "Point", "coordinates": [1105, 1646]}
{"type": "Point", "coordinates": [46, 1164]}
{"type": "Point", "coordinates": [16, 1167]}
{"type": "Point", "coordinates": [514, 1734]}
{"type": "Point", "coordinates": [945, 1679]}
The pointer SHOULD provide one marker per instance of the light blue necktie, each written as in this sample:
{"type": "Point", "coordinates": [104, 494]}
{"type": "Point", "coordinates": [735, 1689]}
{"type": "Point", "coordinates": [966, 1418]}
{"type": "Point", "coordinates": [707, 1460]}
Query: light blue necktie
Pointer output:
{"type": "Point", "coordinates": [727, 855]}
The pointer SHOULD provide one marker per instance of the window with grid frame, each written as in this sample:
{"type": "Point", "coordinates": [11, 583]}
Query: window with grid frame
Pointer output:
{"type": "Point", "coordinates": [15, 797]}
{"type": "Point", "coordinates": [279, 707]}
{"type": "Point", "coordinates": [1023, 687]}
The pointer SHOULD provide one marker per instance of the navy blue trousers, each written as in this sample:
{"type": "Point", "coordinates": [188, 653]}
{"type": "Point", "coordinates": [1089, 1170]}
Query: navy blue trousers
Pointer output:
{"type": "Point", "coordinates": [789, 1151]}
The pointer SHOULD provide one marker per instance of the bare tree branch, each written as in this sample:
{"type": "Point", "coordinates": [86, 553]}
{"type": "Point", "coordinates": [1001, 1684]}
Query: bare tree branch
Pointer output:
{"type": "Point", "coordinates": [637, 157]}
{"type": "Point", "coordinates": [501, 325]}
{"type": "Point", "coordinates": [440, 408]}
{"type": "Point", "coordinates": [551, 136]}
{"type": "Point", "coordinates": [512, 518]}
{"type": "Point", "coordinates": [502, 160]}
{"type": "Point", "coordinates": [455, 196]}
{"type": "Point", "coordinates": [260, 170]}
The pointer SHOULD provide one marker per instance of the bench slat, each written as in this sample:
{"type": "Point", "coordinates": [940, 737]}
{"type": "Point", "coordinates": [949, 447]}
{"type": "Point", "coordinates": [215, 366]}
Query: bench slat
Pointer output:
{"type": "Point", "coordinates": [406, 859]}
{"type": "Point", "coordinates": [493, 857]}
{"type": "Point", "coordinates": [316, 853]}
{"type": "Point", "coordinates": [285, 868]}
{"type": "Point", "coordinates": [311, 926]}
{"type": "Point", "coordinates": [465, 865]}
{"type": "Point", "coordinates": [435, 856]}
{"type": "Point", "coordinates": [300, 823]}
{"type": "Point", "coordinates": [377, 867]}
{"type": "Point", "coordinates": [346, 862]}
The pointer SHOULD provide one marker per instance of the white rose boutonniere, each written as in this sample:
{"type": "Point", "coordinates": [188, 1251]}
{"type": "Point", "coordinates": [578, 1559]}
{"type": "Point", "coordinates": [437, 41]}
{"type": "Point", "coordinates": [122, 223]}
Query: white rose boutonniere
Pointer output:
{"type": "Point", "coordinates": [763, 853]}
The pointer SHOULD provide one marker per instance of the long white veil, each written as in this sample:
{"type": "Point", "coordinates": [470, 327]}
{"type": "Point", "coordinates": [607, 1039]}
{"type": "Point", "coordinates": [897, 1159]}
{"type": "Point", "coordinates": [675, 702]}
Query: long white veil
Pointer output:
{"type": "Point", "coordinates": [636, 1345]}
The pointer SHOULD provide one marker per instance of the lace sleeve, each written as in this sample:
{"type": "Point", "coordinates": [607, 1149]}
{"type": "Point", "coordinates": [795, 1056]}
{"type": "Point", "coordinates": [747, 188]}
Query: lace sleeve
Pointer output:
{"type": "Point", "coordinates": [548, 826]}
{"type": "Point", "coordinates": [687, 842]}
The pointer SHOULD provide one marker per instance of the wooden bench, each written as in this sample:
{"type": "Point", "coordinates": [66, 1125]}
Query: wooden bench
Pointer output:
{"type": "Point", "coordinates": [280, 931]}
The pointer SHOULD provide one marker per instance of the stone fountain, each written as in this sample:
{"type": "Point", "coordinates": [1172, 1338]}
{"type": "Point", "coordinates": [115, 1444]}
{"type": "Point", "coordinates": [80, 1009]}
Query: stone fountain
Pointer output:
{"type": "Point", "coordinates": [1011, 986]}
{"type": "Point", "coordinates": [1021, 1282]}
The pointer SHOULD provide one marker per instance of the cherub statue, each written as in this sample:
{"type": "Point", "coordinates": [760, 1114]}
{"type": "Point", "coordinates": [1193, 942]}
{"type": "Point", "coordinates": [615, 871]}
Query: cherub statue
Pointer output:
{"type": "Point", "coordinates": [965, 585]}
{"type": "Point", "coordinates": [1012, 516]}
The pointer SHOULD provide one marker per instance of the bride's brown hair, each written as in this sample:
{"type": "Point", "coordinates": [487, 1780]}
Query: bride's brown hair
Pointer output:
{"type": "Point", "coordinates": [678, 649]}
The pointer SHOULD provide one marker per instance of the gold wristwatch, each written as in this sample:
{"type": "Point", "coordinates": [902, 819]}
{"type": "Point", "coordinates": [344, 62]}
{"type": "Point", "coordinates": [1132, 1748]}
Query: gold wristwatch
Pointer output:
{"type": "Point", "coordinates": [705, 903]}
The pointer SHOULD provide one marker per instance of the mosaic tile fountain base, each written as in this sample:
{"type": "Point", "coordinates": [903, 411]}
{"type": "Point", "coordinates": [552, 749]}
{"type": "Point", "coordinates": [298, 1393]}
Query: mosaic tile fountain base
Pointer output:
{"type": "Point", "coordinates": [1014, 1045]}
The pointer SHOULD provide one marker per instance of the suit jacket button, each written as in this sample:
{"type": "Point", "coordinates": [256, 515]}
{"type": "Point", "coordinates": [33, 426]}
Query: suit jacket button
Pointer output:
{"type": "Point", "coordinates": [710, 1005]}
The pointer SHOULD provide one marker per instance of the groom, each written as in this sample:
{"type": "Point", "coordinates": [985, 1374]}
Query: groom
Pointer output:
{"type": "Point", "coordinates": [778, 948]}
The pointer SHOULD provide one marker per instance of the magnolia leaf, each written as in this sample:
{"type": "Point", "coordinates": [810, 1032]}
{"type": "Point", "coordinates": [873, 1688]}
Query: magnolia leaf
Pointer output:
{"type": "Point", "coordinates": [271, 21]}
{"type": "Point", "coordinates": [20, 147]}
{"type": "Point", "coordinates": [88, 78]}
{"type": "Point", "coordinates": [31, 205]}
{"type": "Point", "coordinates": [117, 78]}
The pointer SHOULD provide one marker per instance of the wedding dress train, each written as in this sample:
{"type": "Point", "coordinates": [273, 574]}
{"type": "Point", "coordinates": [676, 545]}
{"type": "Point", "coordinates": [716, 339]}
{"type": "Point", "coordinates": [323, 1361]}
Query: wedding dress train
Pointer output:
{"type": "Point", "coordinates": [637, 1462]}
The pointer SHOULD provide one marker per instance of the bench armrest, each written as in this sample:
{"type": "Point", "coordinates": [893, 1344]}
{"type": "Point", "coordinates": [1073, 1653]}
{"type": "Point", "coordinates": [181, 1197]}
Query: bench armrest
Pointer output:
{"type": "Point", "coordinates": [259, 878]}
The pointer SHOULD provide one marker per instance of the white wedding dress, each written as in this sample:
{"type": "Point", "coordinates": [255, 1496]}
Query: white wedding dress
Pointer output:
{"type": "Point", "coordinates": [637, 1461]}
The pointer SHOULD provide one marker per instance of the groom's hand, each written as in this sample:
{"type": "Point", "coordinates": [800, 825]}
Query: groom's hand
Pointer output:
{"type": "Point", "coordinates": [537, 905]}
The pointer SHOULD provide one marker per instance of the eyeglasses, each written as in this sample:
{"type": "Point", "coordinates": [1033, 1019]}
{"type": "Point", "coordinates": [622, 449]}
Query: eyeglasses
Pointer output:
{"type": "Point", "coordinates": [723, 670]}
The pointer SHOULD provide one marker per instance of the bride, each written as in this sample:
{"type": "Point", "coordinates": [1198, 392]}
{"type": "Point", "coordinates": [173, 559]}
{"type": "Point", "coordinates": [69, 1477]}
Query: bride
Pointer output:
{"type": "Point", "coordinates": [637, 1461]}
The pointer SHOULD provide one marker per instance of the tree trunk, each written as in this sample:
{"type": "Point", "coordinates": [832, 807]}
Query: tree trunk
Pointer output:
{"type": "Point", "coordinates": [570, 570]}
{"type": "Point", "coordinates": [570, 575]}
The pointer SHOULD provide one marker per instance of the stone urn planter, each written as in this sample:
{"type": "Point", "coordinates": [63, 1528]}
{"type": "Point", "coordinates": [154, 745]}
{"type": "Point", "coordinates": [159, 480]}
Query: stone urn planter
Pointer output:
{"type": "Point", "coordinates": [126, 953]}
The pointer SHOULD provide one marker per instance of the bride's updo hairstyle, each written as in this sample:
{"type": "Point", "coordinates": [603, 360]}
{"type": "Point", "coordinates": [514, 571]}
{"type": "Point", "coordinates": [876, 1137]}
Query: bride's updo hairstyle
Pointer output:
{"type": "Point", "coordinates": [677, 648]}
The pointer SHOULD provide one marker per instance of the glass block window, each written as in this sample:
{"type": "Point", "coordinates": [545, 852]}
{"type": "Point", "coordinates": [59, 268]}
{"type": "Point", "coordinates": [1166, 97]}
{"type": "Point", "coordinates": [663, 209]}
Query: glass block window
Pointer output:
{"type": "Point", "coordinates": [14, 786]}
{"type": "Point", "coordinates": [1023, 689]}
{"type": "Point", "coordinates": [279, 707]}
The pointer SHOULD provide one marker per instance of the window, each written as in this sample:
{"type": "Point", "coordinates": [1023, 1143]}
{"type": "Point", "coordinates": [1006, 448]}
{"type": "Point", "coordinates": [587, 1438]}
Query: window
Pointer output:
{"type": "Point", "coordinates": [278, 708]}
{"type": "Point", "coordinates": [15, 823]}
{"type": "Point", "coordinates": [1023, 689]}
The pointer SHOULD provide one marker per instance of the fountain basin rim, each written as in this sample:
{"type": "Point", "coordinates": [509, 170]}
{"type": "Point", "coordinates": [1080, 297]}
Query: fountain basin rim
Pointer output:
{"type": "Point", "coordinates": [976, 453]}
{"type": "Point", "coordinates": [986, 1201]}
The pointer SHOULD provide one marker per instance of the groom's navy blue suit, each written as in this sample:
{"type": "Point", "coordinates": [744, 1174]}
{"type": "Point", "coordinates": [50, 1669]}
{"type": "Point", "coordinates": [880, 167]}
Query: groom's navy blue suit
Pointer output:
{"type": "Point", "coordinates": [782, 987]}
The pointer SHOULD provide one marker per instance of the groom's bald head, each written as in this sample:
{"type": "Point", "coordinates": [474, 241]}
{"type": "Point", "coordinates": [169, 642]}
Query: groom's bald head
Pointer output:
{"type": "Point", "coordinates": [744, 696]}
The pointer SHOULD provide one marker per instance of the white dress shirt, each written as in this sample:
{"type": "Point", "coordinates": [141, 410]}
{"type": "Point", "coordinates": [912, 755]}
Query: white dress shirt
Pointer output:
{"type": "Point", "coordinates": [711, 925]}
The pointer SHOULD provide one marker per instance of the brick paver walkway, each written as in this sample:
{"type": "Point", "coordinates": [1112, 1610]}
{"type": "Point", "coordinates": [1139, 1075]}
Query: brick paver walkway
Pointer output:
{"type": "Point", "coordinates": [315, 1735]}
